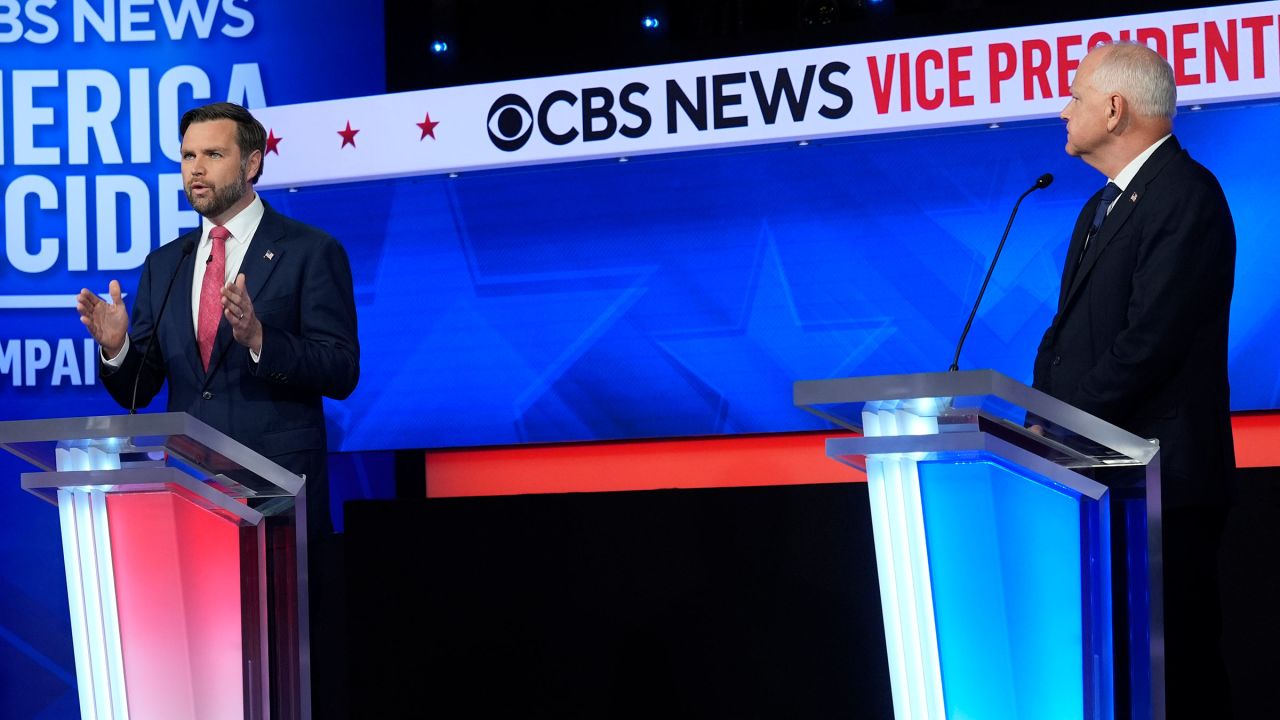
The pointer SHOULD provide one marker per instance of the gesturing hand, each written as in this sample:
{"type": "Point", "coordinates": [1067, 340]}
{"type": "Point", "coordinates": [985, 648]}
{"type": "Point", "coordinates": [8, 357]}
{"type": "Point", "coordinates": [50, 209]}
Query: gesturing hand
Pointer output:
{"type": "Point", "coordinates": [108, 322]}
{"type": "Point", "coordinates": [237, 307]}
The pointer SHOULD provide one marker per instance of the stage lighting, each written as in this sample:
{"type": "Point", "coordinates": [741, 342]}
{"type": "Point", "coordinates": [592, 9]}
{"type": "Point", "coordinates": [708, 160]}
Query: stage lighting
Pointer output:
{"type": "Point", "coordinates": [650, 22]}
{"type": "Point", "coordinates": [439, 46]}
{"type": "Point", "coordinates": [819, 12]}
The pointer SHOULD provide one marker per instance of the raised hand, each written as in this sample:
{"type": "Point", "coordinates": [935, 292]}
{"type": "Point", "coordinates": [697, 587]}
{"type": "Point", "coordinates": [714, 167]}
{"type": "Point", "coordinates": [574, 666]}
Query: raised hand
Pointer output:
{"type": "Point", "coordinates": [237, 308]}
{"type": "Point", "coordinates": [108, 322]}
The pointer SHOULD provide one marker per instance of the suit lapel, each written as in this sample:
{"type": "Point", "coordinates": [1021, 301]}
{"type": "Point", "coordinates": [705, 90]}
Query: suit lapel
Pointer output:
{"type": "Point", "coordinates": [1115, 220]}
{"type": "Point", "coordinates": [1120, 213]}
{"type": "Point", "coordinates": [260, 259]}
{"type": "Point", "coordinates": [1073, 251]}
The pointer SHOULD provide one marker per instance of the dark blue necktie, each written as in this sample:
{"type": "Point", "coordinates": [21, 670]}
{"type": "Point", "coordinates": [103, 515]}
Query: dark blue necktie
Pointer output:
{"type": "Point", "coordinates": [1109, 195]}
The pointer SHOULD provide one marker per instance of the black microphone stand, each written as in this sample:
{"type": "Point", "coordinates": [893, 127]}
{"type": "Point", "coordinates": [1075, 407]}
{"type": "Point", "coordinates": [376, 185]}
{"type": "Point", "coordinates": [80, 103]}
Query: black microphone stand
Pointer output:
{"type": "Point", "coordinates": [187, 247]}
{"type": "Point", "coordinates": [1041, 182]}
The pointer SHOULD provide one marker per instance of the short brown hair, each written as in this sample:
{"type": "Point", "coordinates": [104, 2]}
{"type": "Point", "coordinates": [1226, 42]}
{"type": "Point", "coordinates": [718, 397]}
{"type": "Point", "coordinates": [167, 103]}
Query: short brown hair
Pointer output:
{"type": "Point", "coordinates": [250, 135]}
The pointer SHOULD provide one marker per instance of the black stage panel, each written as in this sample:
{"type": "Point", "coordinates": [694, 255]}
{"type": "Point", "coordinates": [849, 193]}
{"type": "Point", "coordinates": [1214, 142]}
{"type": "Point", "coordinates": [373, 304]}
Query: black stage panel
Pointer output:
{"type": "Point", "coordinates": [734, 602]}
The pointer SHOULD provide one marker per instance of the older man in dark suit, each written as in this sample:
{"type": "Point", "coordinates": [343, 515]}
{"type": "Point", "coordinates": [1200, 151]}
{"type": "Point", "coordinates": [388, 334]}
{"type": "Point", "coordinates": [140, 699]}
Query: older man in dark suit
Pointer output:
{"type": "Point", "coordinates": [261, 323]}
{"type": "Point", "coordinates": [1140, 334]}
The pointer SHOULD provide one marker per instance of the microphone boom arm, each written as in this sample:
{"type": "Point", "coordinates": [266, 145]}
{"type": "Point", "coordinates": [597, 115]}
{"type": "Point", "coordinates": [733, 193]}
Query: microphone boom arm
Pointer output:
{"type": "Point", "coordinates": [1041, 182]}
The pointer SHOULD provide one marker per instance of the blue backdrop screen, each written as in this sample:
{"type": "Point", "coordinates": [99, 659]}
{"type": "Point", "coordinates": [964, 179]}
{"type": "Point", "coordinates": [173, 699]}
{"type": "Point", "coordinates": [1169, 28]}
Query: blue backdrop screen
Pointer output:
{"type": "Point", "coordinates": [683, 294]}
{"type": "Point", "coordinates": [90, 95]}
{"type": "Point", "coordinates": [670, 295]}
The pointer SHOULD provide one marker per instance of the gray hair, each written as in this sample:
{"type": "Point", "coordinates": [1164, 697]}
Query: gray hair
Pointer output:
{"type": "Point", "coordinates": [1140, 75]}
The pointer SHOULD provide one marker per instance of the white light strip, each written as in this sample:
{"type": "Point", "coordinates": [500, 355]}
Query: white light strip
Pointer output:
{"type": "Point", "coordinates": [75, 599]}
{"type": "Point", "coordinates": [909, 423]}
{"type": "Point", "coordinates": [902, 563]}
{"type": "Point", "coordinates": [110, 617]}
{"type": "Point", "coordinates": [918, 550]}
{"type": "Point", "coordinates": [888, 586]}
{"type": "Point", "coordinates": [92, 604]}
{"type": "Point", "coordinates": [906, 588]}
{"type": "Point", "coordinates": [900, 549]}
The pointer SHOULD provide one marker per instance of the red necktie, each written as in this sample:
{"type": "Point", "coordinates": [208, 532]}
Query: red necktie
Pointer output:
{"type": "Point", "coordinates": [215, 276]}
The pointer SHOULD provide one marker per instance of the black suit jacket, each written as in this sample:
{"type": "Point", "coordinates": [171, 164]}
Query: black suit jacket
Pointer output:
{"type": "Point", "coordinates": [299, 279]}
{"type": "Point", "coordinates": [1140, 336]}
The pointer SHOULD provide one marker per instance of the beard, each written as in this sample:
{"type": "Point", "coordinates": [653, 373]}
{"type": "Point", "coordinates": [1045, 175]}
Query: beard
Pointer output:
{"type": "Point", "coordinates": [220, 200]}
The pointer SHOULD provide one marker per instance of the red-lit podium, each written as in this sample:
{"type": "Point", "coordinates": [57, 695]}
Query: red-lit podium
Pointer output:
{"type": "Point", "coordinates": [185, 556]}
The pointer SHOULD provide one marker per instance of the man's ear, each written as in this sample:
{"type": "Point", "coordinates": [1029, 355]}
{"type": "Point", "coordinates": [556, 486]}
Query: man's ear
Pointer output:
{"type": "Point", "coordinates": [254, 166]}
{"type": "Point", "coordinates": [1117, 112]}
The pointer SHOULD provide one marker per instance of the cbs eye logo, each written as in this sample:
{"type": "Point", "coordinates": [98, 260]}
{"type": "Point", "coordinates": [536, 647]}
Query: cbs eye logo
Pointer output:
{"type": "Point", "coordinates": [510, 122]}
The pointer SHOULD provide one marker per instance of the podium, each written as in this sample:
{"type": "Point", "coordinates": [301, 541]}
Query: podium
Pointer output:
{"type": "Point", "coordinates": [185, 555]}
{"type": "Point", "coordinates": [1017, 546]}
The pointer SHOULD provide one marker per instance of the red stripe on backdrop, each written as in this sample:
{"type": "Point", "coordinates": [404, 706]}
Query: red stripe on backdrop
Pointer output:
{"type": "Point", "coordinates": [1257, 439]}
{"type": "Point", "coordinates": [737, 461]}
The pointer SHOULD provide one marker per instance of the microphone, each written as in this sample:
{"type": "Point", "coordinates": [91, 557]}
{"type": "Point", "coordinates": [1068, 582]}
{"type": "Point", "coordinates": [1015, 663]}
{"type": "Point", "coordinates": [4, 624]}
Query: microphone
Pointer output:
{"type": "Point", "coordinates": [187, 247]}
{"type": "Point", "coordinates": [1042, 182]}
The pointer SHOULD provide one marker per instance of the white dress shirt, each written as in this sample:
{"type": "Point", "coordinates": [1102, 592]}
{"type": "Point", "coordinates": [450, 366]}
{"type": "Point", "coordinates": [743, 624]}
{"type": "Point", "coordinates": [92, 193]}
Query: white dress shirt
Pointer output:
{"type": "Point", "coordinates": [242, 228]}
{"type": "Point", "coordinates": [1125, 176]}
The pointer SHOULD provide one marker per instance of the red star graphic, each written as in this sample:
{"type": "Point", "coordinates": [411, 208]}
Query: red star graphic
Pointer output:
{"type": "Point", "coordinates": [348, 136]}
{"type": "Point", "coordinates": [428, 128]}
{"type": "Point", "coordinates": [273, 142]}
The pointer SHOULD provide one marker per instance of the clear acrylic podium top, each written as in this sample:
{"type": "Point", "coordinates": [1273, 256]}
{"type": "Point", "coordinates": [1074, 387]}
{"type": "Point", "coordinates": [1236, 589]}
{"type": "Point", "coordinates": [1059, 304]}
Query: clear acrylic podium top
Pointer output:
{"type": "Point", "coordinates": [980, 400]}
{"type": "Point", "coordinates": [108, 443]}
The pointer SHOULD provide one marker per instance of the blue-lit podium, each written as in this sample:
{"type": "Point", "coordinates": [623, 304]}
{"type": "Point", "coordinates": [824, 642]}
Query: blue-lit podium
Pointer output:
{"type": "Point", "coordinates": [1003, 521]}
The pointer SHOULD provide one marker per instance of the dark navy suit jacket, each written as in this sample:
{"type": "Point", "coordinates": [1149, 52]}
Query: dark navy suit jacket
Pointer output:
{"type": "Point", "coordinates": [1140, 336]}
{"type": "Point", "coordinates": [299, 279]}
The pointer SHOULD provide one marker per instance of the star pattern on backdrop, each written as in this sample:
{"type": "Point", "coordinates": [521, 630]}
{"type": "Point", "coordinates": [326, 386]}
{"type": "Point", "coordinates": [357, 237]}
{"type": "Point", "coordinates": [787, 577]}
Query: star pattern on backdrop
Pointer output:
{"type": "Point", "coordinates": [482, 308]}
{"type": "Point", "coordinates": [770, 339]}
{"type": "Point", "coordinates": [348, 136]}
{"type": "Point", "coordinates": [428, 128]}
{"type": "Point", "coordinates": [273, 142]}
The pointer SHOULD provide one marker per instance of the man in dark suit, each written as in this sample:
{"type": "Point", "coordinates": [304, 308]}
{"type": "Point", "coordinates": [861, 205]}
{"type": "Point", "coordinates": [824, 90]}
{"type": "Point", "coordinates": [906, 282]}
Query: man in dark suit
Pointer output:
{"type": "Point", "coordinates": [1140, 334]}
{"type": "Point", "coordinates": [261, 318]}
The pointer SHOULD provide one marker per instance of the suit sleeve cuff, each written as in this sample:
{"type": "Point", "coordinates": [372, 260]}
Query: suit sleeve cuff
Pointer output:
{"type": "Point", "coordinates": [115, 362]}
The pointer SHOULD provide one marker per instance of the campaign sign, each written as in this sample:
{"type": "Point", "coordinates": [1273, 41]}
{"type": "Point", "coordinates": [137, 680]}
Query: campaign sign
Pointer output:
{"type": "Point", "coordinates": [90, 96]}
{"type": "Point", "coordinates": [91, 92]}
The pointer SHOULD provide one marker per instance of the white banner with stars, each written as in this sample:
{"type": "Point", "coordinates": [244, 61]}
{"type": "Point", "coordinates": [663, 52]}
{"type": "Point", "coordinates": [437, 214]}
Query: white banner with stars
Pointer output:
{"type": "Point", "coordinates": [1218, 54]}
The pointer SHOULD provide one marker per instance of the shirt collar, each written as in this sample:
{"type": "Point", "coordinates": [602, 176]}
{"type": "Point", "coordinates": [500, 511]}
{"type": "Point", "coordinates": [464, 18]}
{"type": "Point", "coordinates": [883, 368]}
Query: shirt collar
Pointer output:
{"type": "Point", "coordinates": [240, 226]}
{"type": "Point", "coordinates": [1125, 176]}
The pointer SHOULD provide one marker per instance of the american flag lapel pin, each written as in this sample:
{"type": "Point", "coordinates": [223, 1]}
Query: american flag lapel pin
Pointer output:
{"type": "Point", "coordinates": [1133, 198]}
{"type": "Point", "coordinates": [271, 255]}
